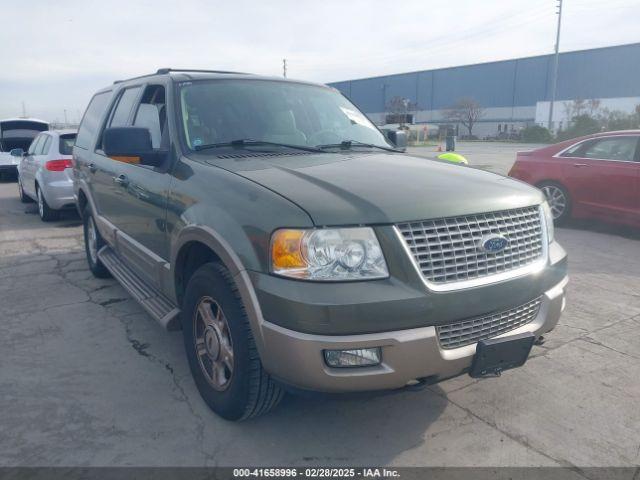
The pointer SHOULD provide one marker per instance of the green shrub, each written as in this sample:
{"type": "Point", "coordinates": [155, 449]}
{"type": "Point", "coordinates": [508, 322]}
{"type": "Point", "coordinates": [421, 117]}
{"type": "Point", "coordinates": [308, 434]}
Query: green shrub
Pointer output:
{"type": "Point", "coordinates": [581, 125]}
{"type": "Point", "coordinates": [536, 134]}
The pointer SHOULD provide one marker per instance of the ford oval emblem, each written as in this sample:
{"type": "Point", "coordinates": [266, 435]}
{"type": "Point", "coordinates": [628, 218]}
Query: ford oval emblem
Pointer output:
{"type": "Point", "coordinates": [493, 243]}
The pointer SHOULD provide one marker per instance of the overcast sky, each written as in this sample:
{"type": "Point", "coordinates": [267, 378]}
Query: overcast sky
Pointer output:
{"type": "Point", "coordinates": [56, 54]}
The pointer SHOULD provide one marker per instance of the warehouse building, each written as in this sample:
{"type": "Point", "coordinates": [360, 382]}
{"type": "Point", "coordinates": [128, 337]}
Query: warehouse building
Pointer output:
{"type": "Point", "coordinates": [513, 93]}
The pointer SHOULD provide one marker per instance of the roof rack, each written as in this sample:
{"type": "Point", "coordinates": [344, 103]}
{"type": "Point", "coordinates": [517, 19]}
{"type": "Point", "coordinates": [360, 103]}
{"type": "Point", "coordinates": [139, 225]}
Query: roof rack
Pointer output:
{"type": "Point", "coordinates": [164, 71]}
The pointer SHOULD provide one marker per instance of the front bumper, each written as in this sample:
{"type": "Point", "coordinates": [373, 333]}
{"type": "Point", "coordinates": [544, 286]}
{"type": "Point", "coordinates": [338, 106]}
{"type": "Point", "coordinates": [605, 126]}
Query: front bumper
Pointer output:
{"type": "Point", "coordinates": [297, 358]}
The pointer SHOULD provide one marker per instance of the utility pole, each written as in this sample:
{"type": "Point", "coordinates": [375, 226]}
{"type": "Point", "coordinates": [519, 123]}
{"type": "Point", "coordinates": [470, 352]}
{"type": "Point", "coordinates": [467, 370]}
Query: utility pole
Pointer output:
{"type": "Point", "coordinates": [284, 67]}
{"type": "Point", "coordinates": [554, 78]}
{"type": "Point", "coordinates": [24, 110]}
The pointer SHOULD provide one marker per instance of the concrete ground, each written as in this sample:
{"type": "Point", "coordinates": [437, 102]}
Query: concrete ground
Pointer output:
{"type": "Point", "coordinates": [495, 157]}
{"type": "Point", "coordinates": [87, 378]}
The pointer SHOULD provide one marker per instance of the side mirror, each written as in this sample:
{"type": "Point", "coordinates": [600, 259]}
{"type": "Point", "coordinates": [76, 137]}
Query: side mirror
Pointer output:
{"type": "Point", "coordinates": [398, 138]}
{"type": "Point", "coordinates": [131, 145]}
{"type": "Point", "coordinates": [16, 152]}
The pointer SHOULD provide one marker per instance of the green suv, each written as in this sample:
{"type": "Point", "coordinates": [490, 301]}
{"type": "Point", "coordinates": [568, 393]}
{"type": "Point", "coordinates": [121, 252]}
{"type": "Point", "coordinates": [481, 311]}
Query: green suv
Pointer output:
{"type": "Point", "coordinates": [297, 247]}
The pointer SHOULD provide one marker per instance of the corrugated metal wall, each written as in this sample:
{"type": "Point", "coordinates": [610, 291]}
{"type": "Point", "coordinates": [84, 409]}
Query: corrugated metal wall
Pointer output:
{"type": "Point", "coordinates": [599, 73]}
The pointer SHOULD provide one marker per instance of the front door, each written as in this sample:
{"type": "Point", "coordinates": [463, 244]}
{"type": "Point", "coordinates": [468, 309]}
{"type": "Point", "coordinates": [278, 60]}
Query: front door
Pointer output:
{"type": "Point", "coordinates": [604, 178]}
{"type": "Point", "coordinates": [133, 197]}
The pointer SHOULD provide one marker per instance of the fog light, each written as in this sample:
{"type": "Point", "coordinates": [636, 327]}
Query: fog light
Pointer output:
{"type": "Point", "coordinates": [362, 357]}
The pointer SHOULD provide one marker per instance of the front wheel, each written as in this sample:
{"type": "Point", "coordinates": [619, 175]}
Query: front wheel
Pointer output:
{"type": "Point", "coordinates": [559, 201]}
{"type": "Point", "coordinates": [221, 350]}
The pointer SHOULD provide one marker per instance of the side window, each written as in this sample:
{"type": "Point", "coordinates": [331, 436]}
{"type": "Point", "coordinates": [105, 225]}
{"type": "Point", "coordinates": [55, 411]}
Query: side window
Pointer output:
{"type": "Point", "coordinates": [151, 114]}
{"type": "Point", "coordinates": [91, 120]}
{"type": "Point", "coordinates": [576, 150]}
{"type": "Point", "coordinates": [35, 144]}
{"type": "Point", "coordinates": [612, 148]}
{"type": "Point", "coordinates": [45, 145]}
{"type": "Point", "coordinates": [120, 116]}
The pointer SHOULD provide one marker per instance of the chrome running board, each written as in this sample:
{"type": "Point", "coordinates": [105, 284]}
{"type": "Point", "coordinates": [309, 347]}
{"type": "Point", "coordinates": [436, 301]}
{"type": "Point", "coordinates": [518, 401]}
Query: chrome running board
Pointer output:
{"type": "Point", "coordinates": [153, 301]}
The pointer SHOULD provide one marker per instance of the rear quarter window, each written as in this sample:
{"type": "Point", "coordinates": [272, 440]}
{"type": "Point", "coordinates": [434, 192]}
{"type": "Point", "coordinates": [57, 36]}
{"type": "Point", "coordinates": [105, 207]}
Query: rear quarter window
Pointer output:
{"type": "Point", "coordinates": [66, 144]}
{"type": "Point", "coordinates": [91, 120]}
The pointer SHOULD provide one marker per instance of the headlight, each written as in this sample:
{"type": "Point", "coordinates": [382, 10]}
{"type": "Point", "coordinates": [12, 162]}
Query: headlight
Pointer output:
{"type": "Point", "coordinates": [330, 254]}
{"type": "Point", "coordinates": [548, 220]}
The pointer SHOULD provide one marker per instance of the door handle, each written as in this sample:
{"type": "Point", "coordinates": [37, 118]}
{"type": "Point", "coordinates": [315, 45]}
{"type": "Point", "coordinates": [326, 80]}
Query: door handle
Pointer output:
{"type": "Point", "coordinates": [92, 167]}
{"type": "Point", "coordinates": [121, 180]}
{"type": "Point", "coordinates": [580, 165]}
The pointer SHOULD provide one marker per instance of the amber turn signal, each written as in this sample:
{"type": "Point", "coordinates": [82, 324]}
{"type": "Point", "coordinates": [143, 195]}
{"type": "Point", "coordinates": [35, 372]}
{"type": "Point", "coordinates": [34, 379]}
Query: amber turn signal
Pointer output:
{"type": "Point", "coordinates": [286, 249]}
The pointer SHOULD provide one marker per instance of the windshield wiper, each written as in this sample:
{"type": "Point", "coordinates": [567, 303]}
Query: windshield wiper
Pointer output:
{"type": "Point", "coordinates": [347, 144]}
{"type": "Point", "coordinates": [248, 142]}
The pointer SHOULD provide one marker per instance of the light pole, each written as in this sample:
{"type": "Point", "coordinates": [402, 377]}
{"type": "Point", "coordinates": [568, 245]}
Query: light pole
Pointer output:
{"type": "Point", "coordinates": [284, 67]}
{"type": "Point", "coordinates": [554, 78]}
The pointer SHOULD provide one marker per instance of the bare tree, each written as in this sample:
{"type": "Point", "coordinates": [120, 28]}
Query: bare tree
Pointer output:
{"type": "Point", "coordinates": [593, 107]}
{"type": "Point", "coordinates": [466, 111]}
{"type": "Point", "coordinates": [578, 107]}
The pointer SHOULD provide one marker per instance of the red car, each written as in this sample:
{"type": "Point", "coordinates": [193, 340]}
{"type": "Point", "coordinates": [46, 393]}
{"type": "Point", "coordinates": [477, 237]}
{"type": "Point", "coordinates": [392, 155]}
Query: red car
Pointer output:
{"type": "Point", "coordinates": [597, 176]}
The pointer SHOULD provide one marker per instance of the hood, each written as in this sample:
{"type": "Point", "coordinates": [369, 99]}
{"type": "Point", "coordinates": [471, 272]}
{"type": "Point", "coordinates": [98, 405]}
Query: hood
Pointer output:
{"type": "Point", "coordinates": [380, 188]}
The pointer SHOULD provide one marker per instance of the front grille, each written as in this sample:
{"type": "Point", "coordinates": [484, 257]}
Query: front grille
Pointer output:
{"type": "Point", "coordinates": [447, 250]}
{"type": "Point", "coordinates": [470, 331]}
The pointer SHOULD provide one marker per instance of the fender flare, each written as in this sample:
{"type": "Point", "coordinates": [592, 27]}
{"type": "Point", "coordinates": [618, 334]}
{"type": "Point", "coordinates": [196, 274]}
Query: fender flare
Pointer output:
{"type": "Point", "coordinates": [214, 241]}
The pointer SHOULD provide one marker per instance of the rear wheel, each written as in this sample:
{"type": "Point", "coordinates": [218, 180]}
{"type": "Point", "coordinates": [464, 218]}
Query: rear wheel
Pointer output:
{"type": "Point", "coordinates": [93, 242]}
{"type": "Point", "coordinates": [559, 201]}
{"type": "Point", "coordinates": [47, 214]}
{"type": "Point", "coordinates": [221, 350]}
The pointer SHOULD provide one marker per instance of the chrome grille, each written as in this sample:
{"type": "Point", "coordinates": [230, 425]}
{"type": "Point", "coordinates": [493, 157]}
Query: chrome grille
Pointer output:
{"type": "Point", "coordinates": [470, 331]}
{"type": "Point", "coordinates": [447, 250]}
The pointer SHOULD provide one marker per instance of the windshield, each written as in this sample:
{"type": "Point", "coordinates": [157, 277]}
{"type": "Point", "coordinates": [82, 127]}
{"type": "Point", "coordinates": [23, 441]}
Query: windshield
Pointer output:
{"type": "Point", "coordinates": [220, 111]}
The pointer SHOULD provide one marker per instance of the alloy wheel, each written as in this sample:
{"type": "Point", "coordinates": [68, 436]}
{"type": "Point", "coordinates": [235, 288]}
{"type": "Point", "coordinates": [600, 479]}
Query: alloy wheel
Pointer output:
{"type": "Point", "coordinates": [213, 344]}
{"type": "Point", "coordinates": [40, 204]}
{"type": "Point", "coordinates": [556, 198]}
{"type": "Point", "coordinates": [92, 240]}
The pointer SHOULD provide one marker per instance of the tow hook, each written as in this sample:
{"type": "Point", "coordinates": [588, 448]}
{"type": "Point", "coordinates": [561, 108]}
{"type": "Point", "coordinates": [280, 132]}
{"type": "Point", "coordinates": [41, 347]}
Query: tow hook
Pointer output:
{"type": "Point", "coordinates": [420, 383]}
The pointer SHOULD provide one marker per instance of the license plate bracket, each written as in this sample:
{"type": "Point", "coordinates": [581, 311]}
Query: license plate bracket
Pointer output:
{"type": "Point", "coordinates": [495, 355]}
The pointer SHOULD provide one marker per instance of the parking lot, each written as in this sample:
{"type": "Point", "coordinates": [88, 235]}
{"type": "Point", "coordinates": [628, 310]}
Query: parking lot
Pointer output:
{"type": "Point", "coordinates": [87, 378]}
{"type": "Point", "coordinates": [495, 157]}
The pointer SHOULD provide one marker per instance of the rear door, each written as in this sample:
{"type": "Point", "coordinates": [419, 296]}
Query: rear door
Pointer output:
{"type": "Point", "coordinates": [28, 164]}
{"type": "Point", "coordinates": [603, 176]}
{"type": "Point", "coordinates": [87, 162]}
{"type": "Point", "coordinates": [41, 156]}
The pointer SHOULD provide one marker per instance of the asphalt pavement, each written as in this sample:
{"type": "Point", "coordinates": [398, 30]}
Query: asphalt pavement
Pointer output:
{"type": "Point", "coordinates": [88, 379]}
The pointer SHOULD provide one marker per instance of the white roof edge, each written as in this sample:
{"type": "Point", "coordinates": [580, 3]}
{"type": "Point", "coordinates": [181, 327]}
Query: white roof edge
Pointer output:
{"type": "Point", "coordinates": [23, 119]}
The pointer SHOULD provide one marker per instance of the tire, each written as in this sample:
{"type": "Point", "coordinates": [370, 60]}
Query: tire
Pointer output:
{"type": "Point", "coordinates": [46, 213]}
{"type": "Point", "coordinates": [93, 242]}
{"type": "Point", "coordinates": [559, 201]}
{"type": "Point", "coordinates": [23, 197]}
{"type": "Point", "coordinates": [242, 388]}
